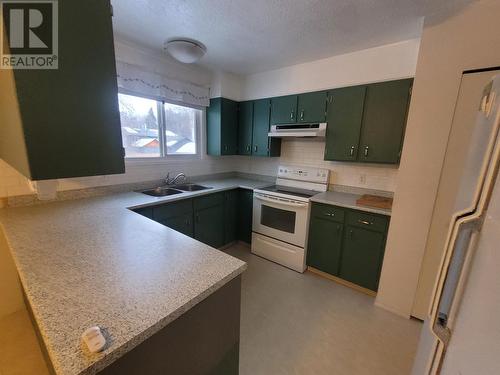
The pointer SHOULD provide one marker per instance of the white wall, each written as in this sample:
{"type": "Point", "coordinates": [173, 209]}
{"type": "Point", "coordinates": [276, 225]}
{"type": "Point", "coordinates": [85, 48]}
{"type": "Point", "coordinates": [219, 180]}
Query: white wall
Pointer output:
{"type": "Point", "coordinates": [227, 85]}
{"type": "Point", "coordinates": [467, 40]}
{"type": "Point", "coordinates": [392, 61]}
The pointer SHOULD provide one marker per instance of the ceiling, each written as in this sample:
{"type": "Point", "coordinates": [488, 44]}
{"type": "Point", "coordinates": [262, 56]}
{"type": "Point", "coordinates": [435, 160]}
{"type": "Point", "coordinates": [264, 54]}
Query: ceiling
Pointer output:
{"type": "Point", "coordinates": [249, 36]}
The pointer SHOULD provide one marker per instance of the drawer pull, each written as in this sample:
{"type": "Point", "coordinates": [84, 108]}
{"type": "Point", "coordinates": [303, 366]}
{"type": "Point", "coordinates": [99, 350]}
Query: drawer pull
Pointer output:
{"type": "Point", "coordinates": [365, 222]}
{"type": "Point", "coordinates": [328, 214]}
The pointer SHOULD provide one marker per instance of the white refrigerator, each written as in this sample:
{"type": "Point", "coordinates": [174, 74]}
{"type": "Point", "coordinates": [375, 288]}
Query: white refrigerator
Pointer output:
{"type": "Point", "coordinates": [461, 334]}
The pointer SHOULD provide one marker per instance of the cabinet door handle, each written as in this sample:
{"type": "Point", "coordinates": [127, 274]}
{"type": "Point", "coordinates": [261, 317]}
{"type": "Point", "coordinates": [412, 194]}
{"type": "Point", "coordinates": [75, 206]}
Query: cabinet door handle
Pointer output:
{"type": "Point", "coordinates": [187, 222]}
{"type": "Point", "coordinates": [329, 214]}
{"type": "Point", "coordinates": [364, 222]}
{"type": "Point", "coordinates": [350, 233]}
{"type": "Point", "coordinates": [338, 228]}
{"type": "Point", "coordinates": [366, 150]}
{"type": "Point", "coordinates": [291, 115]}
{"type": "Point", "coordinates": [351, 153]}
{"type": "Point", "coordinates": [302, 114]}
{"type": "Point", "coordinates": [248, 148]}
{"type": "Point", "coordinates": [255, 148]}
{"type": "Point", "coordinates": [197, 218]}
{"type": "Point", "coordinates": [225, 147]}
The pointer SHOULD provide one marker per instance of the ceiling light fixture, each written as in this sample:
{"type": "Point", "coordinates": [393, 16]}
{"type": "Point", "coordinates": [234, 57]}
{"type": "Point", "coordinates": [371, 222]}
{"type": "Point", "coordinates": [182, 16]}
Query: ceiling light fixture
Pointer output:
{"type": "Point", "coordinates": [185, 50]}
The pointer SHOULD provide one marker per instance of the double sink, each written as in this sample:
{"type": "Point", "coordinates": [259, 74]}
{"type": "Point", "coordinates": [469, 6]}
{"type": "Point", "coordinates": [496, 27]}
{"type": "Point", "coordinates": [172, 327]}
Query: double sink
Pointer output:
{"type": "Point", "coordinates": [163, 191]}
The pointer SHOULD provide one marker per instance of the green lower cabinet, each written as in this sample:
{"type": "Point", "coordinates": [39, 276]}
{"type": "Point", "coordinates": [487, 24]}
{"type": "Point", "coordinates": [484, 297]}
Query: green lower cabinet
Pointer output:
{"type": "Point", "coordinates": [183, 224]}
{"type": "Point", "coordinates": [362, 257]}
{"type": "Point", "coordinates": [145, 211]}
{"type": "Point", "coordinates": [347, 243]}
{"type": "Point", "coordinates": [230, 216]}
{"type": "Point", "coordinates": [325, 245]}
{"type": "Point", "coordinates": [245, 213]}
{"type": "Point", "coordinates": [209, 225]}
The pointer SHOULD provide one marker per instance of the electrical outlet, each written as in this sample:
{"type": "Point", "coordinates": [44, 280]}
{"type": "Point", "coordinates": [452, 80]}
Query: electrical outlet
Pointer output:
{"type": "Point", "coordinates": [362, 179]}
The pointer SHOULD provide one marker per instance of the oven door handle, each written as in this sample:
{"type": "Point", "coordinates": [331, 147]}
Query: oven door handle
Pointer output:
{"type": "Point", "coordinates": [283, 202]}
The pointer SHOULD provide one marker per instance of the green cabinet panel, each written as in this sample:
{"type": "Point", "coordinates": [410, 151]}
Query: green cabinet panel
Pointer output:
{"type": "Point", "coordinates": [284, 109]}
{"type": "Point", "coordinates": [325, 244]}
{"type": "Point", "coordinates": [245, 213]}
{"type": "Point", "coordinates": [145, 211]}
{"type": "Point", "coordinates": [262, 145]}
{"type": "Point", "coordinates": [311, 107]}
{"type": "Point", "coordinates": [222, 127]}
{"type": "Point", "coordinates": [168, 210]}
{"type": "Point", "coordinates": [182, 223]}
{"type": "Point", "coordinates": [230, 216]}
{"type": "Point", "coordinates": [384, 121]}
{"type": "Point", "coordinates": [209, 225]}
{"type": "Point", "coordinates": [362, 256]}
{"type": "Point", "coordinates": [344, 117]}
{"type": "Point", "coordinates": [69, 123]}
{"type": "Point", "coordinates": [245, 128]}
{"type": "Point", "coordinates": [208, 200]}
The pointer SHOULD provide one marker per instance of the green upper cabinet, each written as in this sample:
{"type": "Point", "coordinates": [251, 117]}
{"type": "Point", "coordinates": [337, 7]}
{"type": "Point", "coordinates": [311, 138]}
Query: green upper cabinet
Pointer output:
{"type": "Point", "coordinates": [222, 127]}
{"type": "Point", "coordinates": [311, 107]}
{"type": "Point", "coordinates": [58, 123]}
{"type": "Point", "coordinates": [262, 145]}
{"type": "Point", "coordinates": [245, 127]}
{"type": "Point", "coordinates": [344, 117]}
{"type": "Point", "coordinates": [284, 109]}
{"type": "Point", "coordinates": [384, 121]}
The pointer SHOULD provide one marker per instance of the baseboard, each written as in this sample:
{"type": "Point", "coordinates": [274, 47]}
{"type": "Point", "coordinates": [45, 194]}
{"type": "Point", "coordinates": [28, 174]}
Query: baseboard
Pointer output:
{"type": "Point", "coordinates": [343, 282]}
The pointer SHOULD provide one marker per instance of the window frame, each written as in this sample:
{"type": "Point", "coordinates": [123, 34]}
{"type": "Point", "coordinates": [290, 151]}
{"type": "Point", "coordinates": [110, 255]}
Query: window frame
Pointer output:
{"type": "Point", "coordinates": [161, 131]}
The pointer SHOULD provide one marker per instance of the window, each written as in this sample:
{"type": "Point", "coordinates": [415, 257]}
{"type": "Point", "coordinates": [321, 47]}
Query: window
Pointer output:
{"type": "Point", "coordinates": [151, 128]}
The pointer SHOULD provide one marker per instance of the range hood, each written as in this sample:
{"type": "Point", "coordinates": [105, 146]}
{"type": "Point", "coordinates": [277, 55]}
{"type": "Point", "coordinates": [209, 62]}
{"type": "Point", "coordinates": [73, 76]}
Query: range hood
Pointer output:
{"type": "Point", "coordinates": [316, 129]}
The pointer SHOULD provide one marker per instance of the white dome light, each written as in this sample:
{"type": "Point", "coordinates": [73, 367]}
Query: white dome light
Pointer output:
{"type": "Point", "coordinates": [185, 50]}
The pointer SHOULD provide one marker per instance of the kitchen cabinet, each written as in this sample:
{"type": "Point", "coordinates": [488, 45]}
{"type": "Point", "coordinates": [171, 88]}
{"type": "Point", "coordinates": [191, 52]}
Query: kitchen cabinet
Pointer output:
{"type": "Point", "coordinates": [65, 122]}
{"type": "Point", "coordinates": [181, 223]}
{"type": "Point", "coordinates": [325, 239]}
{"type": "Point", "coordinates": [145, 211]}
{"type": "Point", "coordinates": [347, 243]}
{"type": "Point", "coordinates": [222, 127]}
{"type": "Point", "coordinates": [176, 215]}
{"type": "Point", "coordinates": [245, 127]}
{"type": "Point", "coordinates": [308, 107]}
{"type": "Point", "coordinates": [245, 206]}
{"type": "Point", "coordinates": [367, 123]}
{"type": "Point", "coordinates": [209, 223]}
{"type": "Point", "coordinates": [230, 216]}
{"type": "Point", "coordinates": [344, 117]}
{"type": "Point", "coordinates": [311, 107]}
{"type": "Point", "coordinates": [384, 121]}
{"type": "Point", "coordinates": [284, 109]}
{"type": "Point", "coordinates": [253, 127]}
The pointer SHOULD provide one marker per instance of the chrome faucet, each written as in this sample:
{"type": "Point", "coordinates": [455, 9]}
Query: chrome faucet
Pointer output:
{"type": "Point", "coordinates": [172, 181]}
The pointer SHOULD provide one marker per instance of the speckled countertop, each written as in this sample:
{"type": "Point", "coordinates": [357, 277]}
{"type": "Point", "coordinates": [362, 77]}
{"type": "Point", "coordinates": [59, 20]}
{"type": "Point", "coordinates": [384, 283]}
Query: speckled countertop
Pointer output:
{"type": "Point", "coordinates": [94, 262]}
{"type": "Point", "coordinates": [347, 200]}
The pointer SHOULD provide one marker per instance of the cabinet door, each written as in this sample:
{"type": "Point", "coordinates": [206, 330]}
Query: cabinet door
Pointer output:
{"type": "Point", "coordinates": [384, 121]}
{"type": "Point", "coordinates": [261, 127]}
{"type": "Point", "coordinates": [325, 244]}
{"type": "Point", "coordinates": [245, 212]}
{"type": "Point", "coordinates": [209, 225]}
{"type": "Point", "coordinates": [344, 116]}
{"type": "Point", "coordinates": [70, 123]}
{"type": "Point", "coordinates": [284, 109]}
{"type": "Point", "coordinates": [362, 257]}
{"type": "Point", "coordinates": [145, 211]}
{"type": "Point", "coordinates": [312, 107]}
{"type": "Point", "coordinates": [182, 223]}
{"type": "Point", "coordinates": [229, 127]}
{"type": "Point", "coordinates": [230, 216]}
{"type": "Point", "coordinates": [245, 126]}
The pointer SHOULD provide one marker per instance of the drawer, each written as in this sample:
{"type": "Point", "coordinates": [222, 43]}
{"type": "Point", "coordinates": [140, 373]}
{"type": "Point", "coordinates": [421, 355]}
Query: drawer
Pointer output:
{"type": "Point", "coordinates": [173, 209]}
{"type": "Point", "coordinates": [209, 200]}
{"type": "Point", "coordinates": [367, 220]}
{"type": "Point", "coordinates": [327, 211]}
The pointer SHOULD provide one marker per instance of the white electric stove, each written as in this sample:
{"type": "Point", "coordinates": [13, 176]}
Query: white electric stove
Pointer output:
{"type": "Point", "coordinates": [281, 215]}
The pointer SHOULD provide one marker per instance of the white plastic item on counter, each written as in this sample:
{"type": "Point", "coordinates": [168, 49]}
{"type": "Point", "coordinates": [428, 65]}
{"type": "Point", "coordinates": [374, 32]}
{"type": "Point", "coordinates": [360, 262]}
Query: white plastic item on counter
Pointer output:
{"type": "Point", "coordinates": [93, 338]}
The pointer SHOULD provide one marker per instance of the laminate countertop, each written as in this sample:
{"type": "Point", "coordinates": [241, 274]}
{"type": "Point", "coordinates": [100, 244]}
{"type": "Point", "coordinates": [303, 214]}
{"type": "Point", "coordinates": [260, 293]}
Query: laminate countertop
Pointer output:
{"type": "Point", "coordinates": [348, 200]}
{"type": "Point", "coordinates": [95, 262]}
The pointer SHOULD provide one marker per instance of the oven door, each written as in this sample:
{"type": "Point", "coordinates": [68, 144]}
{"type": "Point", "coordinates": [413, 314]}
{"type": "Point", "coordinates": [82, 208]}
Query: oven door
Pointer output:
{"type": "Point", "coordinates": [280, 218]}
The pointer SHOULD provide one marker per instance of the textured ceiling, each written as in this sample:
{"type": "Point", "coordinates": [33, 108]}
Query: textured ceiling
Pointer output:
{"type": "Point", "coordinates": [249, 36]}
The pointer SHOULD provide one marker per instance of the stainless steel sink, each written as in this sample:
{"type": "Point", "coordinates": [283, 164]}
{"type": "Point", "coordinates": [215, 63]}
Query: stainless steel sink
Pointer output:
{"type": "Point", "coordinates": [191, 187]}
{"type": "Point", "coordinates": [161, 192]}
